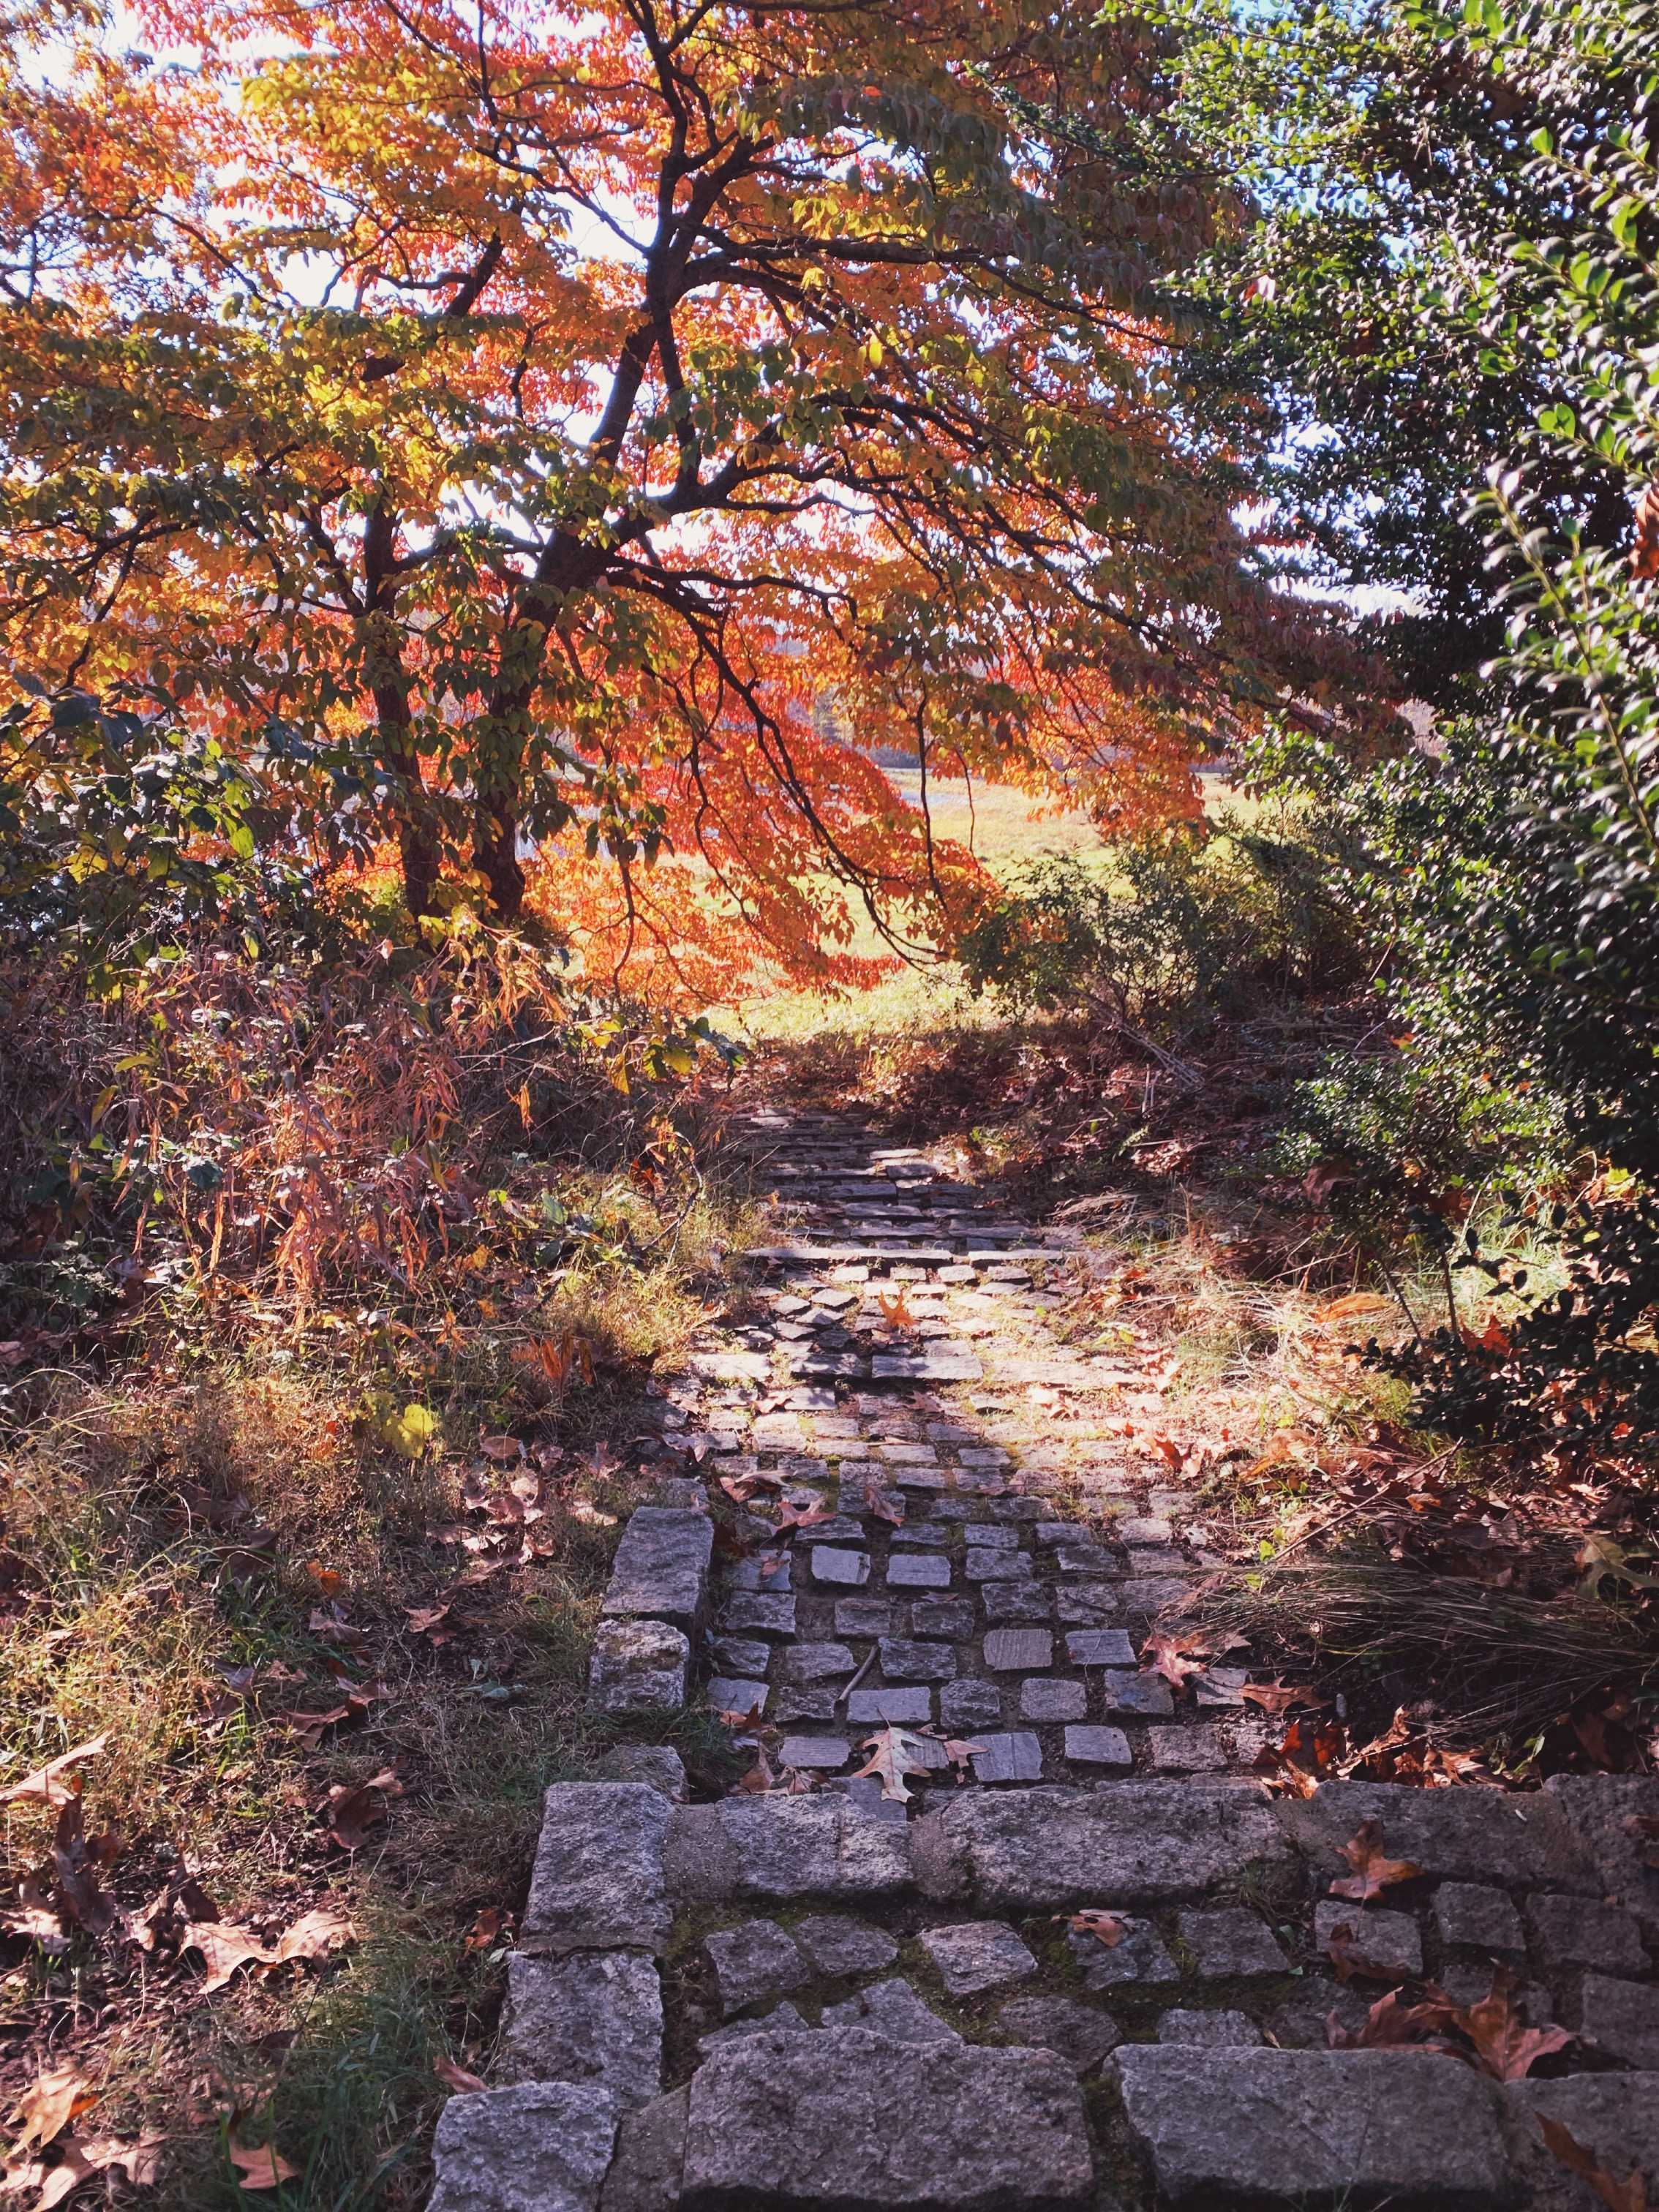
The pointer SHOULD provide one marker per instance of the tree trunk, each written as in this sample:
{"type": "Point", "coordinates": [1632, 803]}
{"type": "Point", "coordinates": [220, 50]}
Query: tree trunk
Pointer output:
{"type": "Point", "coordinates": [418, 850]}
{"type": "Point", "coordinates": [495, 855]}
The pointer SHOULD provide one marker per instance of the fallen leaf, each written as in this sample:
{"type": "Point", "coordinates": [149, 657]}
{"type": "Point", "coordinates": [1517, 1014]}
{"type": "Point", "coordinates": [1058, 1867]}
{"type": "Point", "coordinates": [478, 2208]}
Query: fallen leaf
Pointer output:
{"type": "Point", "coordinates": [1351, 1307]}
{"type": "Point", "coordinates": [1277, 1698]}
{"type": "Point", "coordinates": [486, 1929]}
{"type": "Point", "coordinates": [882, 1503]}
{"type": "Point", "coordinates": [892, 1758]}
{"type": "Point", "coordinates": [76, 1858]}
{"type": "Point", "coordinates": [1373, 1872]}
{"type": "Point", "coordinates": [78, 2161]}
{"type": "Point", "coordinates": [35, 1916]}
{"type": "Point", "coordinates": [49, 2104]}
{"type": "Point", "coordinates": [796, 1516]}
{"type": "Point", "coordinates": [309, 1727]}
{"type": "Point", "coordinates": [960, 1752]}
{"type": "Point", "coordinates": [1504, 2046]}
{"type": "Point", "coordinates": [456, 2077]}
{"type": "Point", "coordinates": [423, 1618]}
{"type": "Point", "coordinates": [259, 2165]}
{"type": "Point", "coordinates": [1346, 1948]}
{"type": "Point", "coordinates": [1628, 2196]}
{"type": "Point", "coordinates": [43, 1787]}
{"type": "Point", "coordinates": [314, 1934]}
{"type": "Point", "coordinates": [759, 1779]}
{"type": "Point", "coordinates": [224, 1948]}
{"type": "Point", "coordinates": [1387, 2025]}
{"type": "Point", "coordinates": [502, 1449]}
{"type": "Point", "coordinates": [1107, 1928]}
{"type": "Point", "coordinates": [353, 1811]}
{"type": "Point", "coordinates": [1176, 1658]}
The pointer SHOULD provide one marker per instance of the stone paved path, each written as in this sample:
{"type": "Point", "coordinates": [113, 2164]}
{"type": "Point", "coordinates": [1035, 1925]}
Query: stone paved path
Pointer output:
{"type": "Point", "coordinates": [824, 1998]}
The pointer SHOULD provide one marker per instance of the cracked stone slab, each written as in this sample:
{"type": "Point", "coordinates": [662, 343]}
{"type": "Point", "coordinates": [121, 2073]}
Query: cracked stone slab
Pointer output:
{"type": "Point", "coordinates": [1138, 1956]}
{"type": "Point", "coordinates": [808, 2125]}
{"type": "Point", "coordinates": [1475, 1914]}
{"type": "Point", "coordinates": [754, 1961]}
{"type": "Point", "coordinates": [1015, 1756]}
{"type": "Point", "coordinates": [1462, 1835]}
{"type": "Point", "coordinates": [1231, 1944]}
{"type": "Point", "coordinates": [645, 2173]}
{"type": "Point", "coordinates": [1082, 2036]}
{"type": "Point", "coordinates": [1316, 2127]}
{"type": "Point", "coordinates": [1582, 1931]}
{"type": "Point", "coordinates": [1223, 2029]}
{"type": "Point", "coordinates": [1622, 2018]}
{"type": "Point", "coordinates": [1129, 1842]}
{"type": "Point", "coordinates": [977, 1954]}
{"type": "Point", "coordinates": [1018, 1650]}
{"type": "Point", "coordinates": [1088, 1746]}
{"type": "Point", "coordinates": [1045, 1699]}
{"type": "Point", "coordinates": [1615, 2116]}
{"type": "Point", "coordinates": [1389, 1942]}
{"type": "Point", "coordinates": [825, 1846]}
{"type": "Point", "coordinates": [893, 2010]}
{"type": "Point", "coordinates": [757, 1613]}
{"type": "Point", "coordinates": [598, 1881]}
{"type": "Point", "coordinates": [836, 1945]}
{"type": "Point", "coordinates": [595, 2016]}
{"type": "Point", "coordinates": [540, 2147]}
{"type": "Point", "coordinates": [903, 1660]}
{"type": "Point", "coordinates": [1606, 1813]}
{"type": "Point", "coordinates": [1099, 1647]}
{"type": "Point", "coordinates": [638, 1667]}
{"type": "Point", "coordinates": [661, 1570]}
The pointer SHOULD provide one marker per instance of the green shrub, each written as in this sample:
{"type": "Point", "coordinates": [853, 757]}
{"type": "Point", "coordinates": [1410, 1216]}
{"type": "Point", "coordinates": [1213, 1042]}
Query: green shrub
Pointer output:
{"type": "Point", "coordinates": [1192, 923]}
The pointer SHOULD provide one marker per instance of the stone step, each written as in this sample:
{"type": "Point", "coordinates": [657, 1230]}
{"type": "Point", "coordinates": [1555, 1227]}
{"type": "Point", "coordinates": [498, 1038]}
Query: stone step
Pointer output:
{"type": "Point", "coordinates": [842, 2118]}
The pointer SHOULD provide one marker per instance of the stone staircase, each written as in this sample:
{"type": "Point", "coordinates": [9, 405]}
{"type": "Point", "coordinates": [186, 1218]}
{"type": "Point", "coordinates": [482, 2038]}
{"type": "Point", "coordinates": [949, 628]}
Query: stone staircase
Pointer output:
{"type": "Point", "coordinates": [822, 1996]}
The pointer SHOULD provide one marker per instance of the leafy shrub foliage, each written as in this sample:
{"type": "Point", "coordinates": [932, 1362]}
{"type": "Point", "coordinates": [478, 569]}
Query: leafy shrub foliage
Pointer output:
{"type": "Point", "coordinates": [1185, 923]}
{"type": "Point", "coordinates": [1515, 875]}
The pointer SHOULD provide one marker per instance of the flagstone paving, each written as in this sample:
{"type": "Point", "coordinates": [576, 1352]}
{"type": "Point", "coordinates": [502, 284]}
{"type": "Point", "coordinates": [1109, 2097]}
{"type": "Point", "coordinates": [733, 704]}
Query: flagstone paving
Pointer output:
{"type": "Point", "coordinates": [822, 1995]}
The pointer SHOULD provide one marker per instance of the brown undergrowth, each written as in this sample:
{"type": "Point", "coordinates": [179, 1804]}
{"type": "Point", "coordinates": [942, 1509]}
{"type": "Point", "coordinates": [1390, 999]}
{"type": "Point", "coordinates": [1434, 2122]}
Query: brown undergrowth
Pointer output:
{"type": "Point", "coordinates": [332, 1296]}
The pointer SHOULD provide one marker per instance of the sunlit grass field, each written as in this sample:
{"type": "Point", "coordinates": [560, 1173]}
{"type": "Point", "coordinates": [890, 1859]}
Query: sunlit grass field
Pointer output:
{"type": "Point", "coordinates": [1006, 830]}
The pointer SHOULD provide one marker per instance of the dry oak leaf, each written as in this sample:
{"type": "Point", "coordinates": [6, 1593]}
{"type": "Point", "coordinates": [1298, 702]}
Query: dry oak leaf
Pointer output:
{"type": "Point", "coordinates": [1347, 1949]}
{"type": "Point", "coordinates": [1276, 1698]}
{"type": "Point", "coordinates": [1355, 1305]}
{"type": "Point", "coordinates": [78, 2161]}
{"type": "Point", "coordinates": [1373, 1872]}
{"type": "Point", "coordinates": [43, 1787]}
{"type": "Point", "coordinates": [1387, 2025]}
{"type": "Point", "coordinates": [1504, 2046]}
{"type": "Point", "coordinates": [259, 2165]}
{"type": "Point", "coordinates": [352, 1812]}
{"type": "Point", "coordinates": [35, 1916]}
{"type": "Point", "coordinates": [1107, 1928]}
{"type": "Point", "coordinates": [456, 2077]}
{"type": "Point", "coordinates": [52, 2100]}
{"type": "Point", "coordinates": [225, 1947]}
{"type": "Point", "coordinates": [892, 1757]}
{"type": "Point", "coordinates": [1628, 2196]}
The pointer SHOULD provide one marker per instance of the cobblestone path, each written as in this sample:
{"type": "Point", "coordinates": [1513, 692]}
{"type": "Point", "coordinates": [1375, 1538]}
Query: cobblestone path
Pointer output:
{"type": "Point", "coordinates": [827, 1997]}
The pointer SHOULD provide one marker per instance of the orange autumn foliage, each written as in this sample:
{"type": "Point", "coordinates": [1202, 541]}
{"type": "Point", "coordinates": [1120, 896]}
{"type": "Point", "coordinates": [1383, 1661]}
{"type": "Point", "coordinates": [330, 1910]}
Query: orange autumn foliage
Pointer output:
{"type": "Point", "coordinates": [570, 444]}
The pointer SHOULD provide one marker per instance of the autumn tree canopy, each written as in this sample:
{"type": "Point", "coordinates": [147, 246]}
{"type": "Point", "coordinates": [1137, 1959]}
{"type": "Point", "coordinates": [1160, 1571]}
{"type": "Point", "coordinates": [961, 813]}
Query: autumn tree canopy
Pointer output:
{"type": "Point", "coordinates": [505, 430]}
